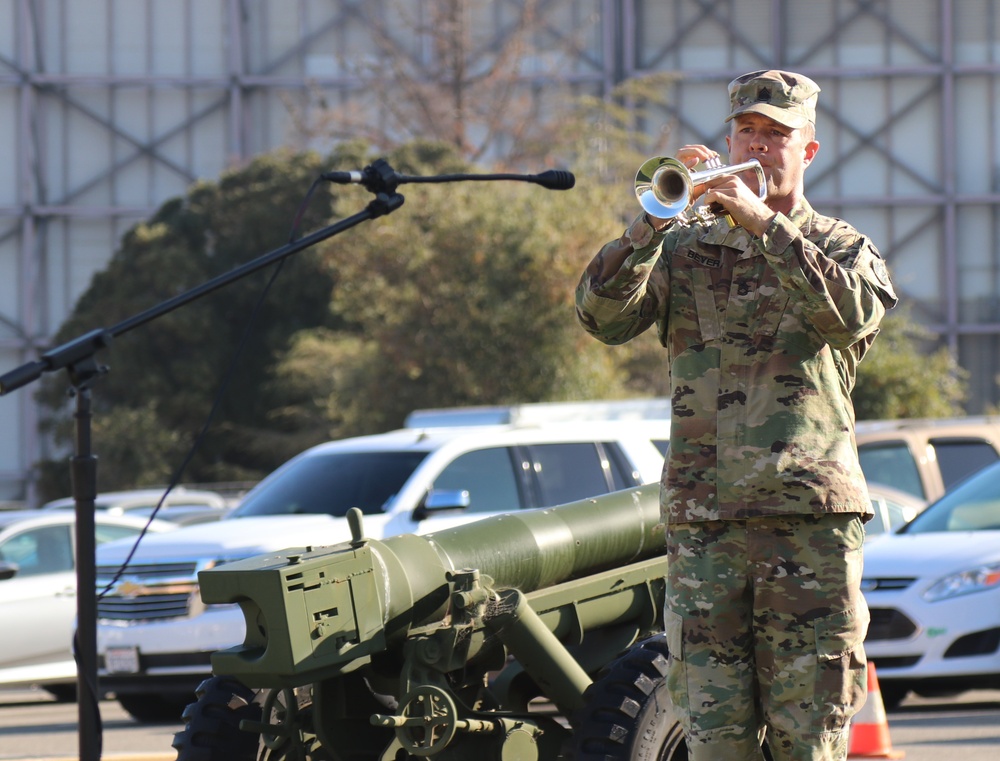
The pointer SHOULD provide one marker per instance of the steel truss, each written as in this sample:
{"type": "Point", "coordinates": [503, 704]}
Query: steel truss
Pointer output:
{"type": "Point", "coordinates": [908, 124]}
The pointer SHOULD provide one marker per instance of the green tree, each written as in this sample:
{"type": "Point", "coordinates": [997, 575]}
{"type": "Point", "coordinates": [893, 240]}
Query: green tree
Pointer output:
{"type": "Point", "coordinates": [463, 296]}
{"type": "Point", "coordinates": [900, 378]}
{"type": "Point", "coordinates": [164, 374]}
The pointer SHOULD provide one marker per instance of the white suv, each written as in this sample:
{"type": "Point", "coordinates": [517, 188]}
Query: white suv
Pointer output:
{"type": "Point", "coordinates": [155, 637]}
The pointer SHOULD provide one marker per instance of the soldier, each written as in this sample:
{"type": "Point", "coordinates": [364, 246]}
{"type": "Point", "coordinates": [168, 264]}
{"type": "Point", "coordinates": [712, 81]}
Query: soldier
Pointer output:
{"type": "Point", "coordinates": [765, 321]}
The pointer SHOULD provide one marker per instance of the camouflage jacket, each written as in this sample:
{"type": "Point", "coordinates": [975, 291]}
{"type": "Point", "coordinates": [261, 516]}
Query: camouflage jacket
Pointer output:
{"type": "Point", "coordinates": [764, 336]}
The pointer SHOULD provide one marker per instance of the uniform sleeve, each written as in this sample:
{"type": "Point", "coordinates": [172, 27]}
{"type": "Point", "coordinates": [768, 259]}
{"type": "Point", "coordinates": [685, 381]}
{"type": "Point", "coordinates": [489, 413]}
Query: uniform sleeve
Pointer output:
{"type": "Point", "coordinates": [615, 307]}
{"type": "Point", "coordinates": [842, 284]}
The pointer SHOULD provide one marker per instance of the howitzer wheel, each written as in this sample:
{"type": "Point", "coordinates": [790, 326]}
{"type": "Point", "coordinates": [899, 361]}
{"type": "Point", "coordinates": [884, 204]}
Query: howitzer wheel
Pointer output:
{"type": "Point", "coordinates": [281, 709]}
{"type": "Point", "coordinates": [212, 723]}
{"type": "Point", "coordinates": [629, 716]}
{"type": "Point", "coordinates": [430, 721]}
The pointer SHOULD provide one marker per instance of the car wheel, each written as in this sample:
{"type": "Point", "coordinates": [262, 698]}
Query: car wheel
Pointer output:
{"type": "Point", "coordinates": [212, 731]}
{"type": "Point", "coordinates": [153, 708]}
{"type": "Point", "coordinates": [892, 694]}
{"type": "Point", "coordinates": [63, 693]}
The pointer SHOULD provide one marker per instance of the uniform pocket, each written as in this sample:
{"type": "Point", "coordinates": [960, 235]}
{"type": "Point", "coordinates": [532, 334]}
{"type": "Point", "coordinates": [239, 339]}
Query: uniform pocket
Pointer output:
{"type": "Point", "coordinates": [673, 629]}
{"type": "Point", "coordinates": [841, 668]}
{"type": "Point", "coordinates": [704, 298]}
{"type": "Point", "coordinates": [771, 309]}
{"type": "Point", "coordinates": [840, 633]}
{"type": "Point", "coordinates": [677, 681]}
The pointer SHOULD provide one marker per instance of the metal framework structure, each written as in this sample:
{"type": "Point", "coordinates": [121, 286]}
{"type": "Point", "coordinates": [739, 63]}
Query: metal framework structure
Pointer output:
{"type": "Point", "coordinates": [110, 107]}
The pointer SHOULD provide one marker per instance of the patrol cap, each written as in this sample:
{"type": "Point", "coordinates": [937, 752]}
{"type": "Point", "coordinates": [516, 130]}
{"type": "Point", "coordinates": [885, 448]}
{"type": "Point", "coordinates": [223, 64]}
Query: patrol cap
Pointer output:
{"type": "Point", "coordinates": [788, 98]}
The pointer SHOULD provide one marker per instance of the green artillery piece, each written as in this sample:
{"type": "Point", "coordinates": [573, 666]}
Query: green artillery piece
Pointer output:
{"type": "Point", "coordinates": [531, 635]}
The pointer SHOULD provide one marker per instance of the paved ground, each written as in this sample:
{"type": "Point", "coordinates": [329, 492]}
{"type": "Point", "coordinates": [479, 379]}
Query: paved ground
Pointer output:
{"type": "Point", "coordinates": [34, 728]}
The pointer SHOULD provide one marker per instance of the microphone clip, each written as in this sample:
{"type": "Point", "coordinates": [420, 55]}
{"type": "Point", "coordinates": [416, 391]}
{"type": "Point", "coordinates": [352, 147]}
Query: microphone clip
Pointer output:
{"type": "Point", "coordinates": [379, 177]}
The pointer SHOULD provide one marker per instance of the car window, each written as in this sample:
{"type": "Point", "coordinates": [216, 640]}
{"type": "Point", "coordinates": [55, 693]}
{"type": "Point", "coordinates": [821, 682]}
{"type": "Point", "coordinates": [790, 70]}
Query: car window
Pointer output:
{"type": "Point", "coordinates": [663, 445]}
{"type": "Point", "coordinates": [892, 464]}
{"type": "Point", "coordinates": [623, 475]}
{"type": "Point", "coordinates": [959, 458]}
{"type": "Point", "coordinates": [47, 549]}
{"type": "Point", "coordinates": [877, 523]}
{"type": "Point", "coordinates": [489, 477]}
{"type": "Point", "coordinates": [108, 533]}
{"type": "Point", "coordinates": [332, 483]}
{"type": "Point", "coordinates": [568, 472]}
{"type": "Point", "coordinates": [890, 510]}
{"type": "Point", "coordinates": [972, 506]}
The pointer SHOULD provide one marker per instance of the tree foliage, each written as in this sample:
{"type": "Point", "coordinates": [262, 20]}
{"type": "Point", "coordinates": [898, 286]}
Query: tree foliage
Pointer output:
{"type": "Point", "coordinates": [462, 296]}
{"type": "Point", "coordinates": [483, 79]}
{"type": "Point", "coordinates": [900, 378]}
{"type": "Point", "coordinates": [164, 374]}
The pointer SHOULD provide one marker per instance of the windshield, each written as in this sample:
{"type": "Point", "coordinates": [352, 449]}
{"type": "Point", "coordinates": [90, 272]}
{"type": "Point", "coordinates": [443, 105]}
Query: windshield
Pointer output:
{"type": "Point", "coordinates": [973, 505]}
{"type": "Point", "coordinates": [332, 483]}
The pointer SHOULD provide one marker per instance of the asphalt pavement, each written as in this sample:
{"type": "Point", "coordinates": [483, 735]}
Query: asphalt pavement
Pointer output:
{"type": "Point", "coordinates": [35, 728]}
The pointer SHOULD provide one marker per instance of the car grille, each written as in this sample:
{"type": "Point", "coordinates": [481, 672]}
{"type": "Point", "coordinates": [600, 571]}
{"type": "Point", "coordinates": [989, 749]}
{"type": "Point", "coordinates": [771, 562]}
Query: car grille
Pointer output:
{"type": "Point", "coordinates": [886, 584]}
{"type": "Point", "coordinates": [896, 661]}
{"type": "Point", "coordinates": [888, 623]}
{"type": "Point", "coordinates": [147, 592]}
{"type": "Point", "coordinates": [979, 643]}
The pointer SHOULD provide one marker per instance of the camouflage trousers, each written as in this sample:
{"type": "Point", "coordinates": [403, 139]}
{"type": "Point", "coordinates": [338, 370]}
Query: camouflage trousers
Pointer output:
{"type": "Point", "coordinates": [765, 623]}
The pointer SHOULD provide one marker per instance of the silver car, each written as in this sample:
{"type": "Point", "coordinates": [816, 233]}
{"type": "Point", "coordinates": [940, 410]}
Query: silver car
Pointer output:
{"type": "Point", "coordinates": [182, 506]}
{"type": "Point", "coordinates": [38, 593]}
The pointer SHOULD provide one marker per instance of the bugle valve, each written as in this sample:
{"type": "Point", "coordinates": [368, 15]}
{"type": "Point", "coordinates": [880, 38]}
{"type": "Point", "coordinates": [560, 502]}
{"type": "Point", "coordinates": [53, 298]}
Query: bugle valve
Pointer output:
{"type": "Point", "coordinates": [665, 187]}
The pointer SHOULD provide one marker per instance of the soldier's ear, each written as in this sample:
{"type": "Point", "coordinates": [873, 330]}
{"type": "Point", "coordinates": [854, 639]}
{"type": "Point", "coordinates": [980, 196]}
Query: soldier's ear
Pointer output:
{"type": "Point", "coordinates": [810, 151]}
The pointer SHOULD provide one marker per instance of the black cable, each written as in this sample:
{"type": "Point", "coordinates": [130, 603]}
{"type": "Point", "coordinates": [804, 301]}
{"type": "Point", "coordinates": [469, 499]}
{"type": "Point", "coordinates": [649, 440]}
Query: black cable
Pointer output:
{"type": "Point", "coordinates": [92, 689]}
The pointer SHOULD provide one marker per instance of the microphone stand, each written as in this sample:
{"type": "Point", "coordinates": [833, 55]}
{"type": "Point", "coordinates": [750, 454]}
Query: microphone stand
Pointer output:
{"type": "Point", "coordinates": [77, 358]}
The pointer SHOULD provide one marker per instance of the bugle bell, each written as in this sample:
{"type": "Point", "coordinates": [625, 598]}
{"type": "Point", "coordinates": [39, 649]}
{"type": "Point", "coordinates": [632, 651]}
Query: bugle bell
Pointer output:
{"type": "Point", "coordinates": [665, 187]}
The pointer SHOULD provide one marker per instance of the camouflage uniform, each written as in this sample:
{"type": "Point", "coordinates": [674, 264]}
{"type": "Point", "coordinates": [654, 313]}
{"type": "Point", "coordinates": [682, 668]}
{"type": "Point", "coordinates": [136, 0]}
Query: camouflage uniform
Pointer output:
{"type": "Point", "coordinates": [762, 492]}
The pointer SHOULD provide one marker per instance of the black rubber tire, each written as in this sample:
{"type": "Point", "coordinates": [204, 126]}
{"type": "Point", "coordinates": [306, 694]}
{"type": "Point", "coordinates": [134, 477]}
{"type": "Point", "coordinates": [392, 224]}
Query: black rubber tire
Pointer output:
{"type": "Point", "coordinates": [212, 730]}
{"type": "Point", "coordinates": [152, 708]}
{"type": "Point", "coordinates": [629, 716]}
{"type": "Point", "coordinates": [63, 693]}
{"type": "Point", "coordinates": [892, 695]}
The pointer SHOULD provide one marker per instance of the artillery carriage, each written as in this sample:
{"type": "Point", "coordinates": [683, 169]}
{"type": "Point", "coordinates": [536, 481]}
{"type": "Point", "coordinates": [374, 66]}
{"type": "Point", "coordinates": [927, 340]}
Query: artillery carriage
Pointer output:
{"type": "Point", "coordinates": [530, 635]}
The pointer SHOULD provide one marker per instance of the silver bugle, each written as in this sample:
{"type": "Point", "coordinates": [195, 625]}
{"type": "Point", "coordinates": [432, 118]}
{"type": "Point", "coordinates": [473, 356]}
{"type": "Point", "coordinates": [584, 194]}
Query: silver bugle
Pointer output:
{"type": "Point", "coordinates": [665, 187]}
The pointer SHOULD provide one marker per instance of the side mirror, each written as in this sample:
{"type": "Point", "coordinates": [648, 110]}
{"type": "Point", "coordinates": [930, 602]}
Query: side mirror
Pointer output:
{"type": "Point", "coordinates": [8, 570]}
{"type": "Point", "coordinates": [440, 500]}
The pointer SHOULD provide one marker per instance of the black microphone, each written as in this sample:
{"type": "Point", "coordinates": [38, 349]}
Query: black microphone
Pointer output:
{"type": "Point", "coordinates": [554, 179]}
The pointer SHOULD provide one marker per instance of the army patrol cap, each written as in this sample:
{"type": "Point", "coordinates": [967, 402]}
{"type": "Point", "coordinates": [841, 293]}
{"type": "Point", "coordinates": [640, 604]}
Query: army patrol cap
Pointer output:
{"type": "Point", "coordinates": [788, 98]}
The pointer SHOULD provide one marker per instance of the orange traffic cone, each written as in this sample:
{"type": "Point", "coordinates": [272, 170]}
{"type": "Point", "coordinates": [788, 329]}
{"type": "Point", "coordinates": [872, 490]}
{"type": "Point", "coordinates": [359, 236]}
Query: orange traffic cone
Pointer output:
{"type": "Point", "coordinates": [869, 737]}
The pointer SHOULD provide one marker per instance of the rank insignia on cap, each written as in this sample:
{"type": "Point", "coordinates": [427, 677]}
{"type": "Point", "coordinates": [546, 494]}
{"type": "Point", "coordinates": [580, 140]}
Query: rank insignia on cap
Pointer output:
{"type": "Point", "coordinates": [784, 96]}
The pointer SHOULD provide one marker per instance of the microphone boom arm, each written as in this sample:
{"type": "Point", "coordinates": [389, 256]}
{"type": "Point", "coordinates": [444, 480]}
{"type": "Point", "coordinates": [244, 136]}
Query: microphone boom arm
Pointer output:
{"type": "Point", "coordinates": [379, 177]}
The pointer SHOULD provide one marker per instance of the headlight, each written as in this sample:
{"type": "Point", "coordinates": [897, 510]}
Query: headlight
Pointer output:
{"type": "Point", "coordinates": [979, 579]}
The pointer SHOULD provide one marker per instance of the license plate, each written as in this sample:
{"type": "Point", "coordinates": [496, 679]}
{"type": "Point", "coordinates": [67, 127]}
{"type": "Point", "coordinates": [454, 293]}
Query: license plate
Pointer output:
{"type": "Point", "coordinates": [122, 660]}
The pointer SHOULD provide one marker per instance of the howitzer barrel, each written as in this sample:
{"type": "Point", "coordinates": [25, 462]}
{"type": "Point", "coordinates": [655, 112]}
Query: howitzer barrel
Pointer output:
{"type": "Point", "coordinates": [313, 613]}
{"type": "Point", "coordinates": [533, 549]}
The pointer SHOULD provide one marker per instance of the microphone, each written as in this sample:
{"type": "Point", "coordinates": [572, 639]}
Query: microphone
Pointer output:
{"type": "Point", "coordinates": [554, 179]}
{"type": "Point", "coordinates": [381, 177]}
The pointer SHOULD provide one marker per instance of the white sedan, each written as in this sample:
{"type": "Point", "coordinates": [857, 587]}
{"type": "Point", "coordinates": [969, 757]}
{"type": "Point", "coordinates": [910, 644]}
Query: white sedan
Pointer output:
{"type": "Point", "coordinates": [38, 593]}
{"type": "Point", "coordinates": [933, 588]}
